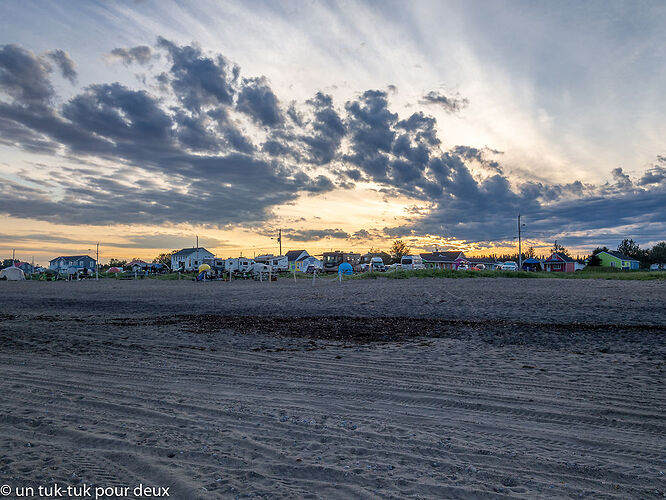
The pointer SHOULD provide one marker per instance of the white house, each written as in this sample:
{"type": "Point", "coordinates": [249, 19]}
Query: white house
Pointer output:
{"type": "Point", "coordinates": [189, 259]}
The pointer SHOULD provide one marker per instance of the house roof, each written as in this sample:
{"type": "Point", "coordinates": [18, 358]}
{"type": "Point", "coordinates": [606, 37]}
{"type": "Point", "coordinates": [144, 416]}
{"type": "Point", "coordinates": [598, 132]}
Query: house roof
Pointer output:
{"type": "Point", "coordinates": [619, 255]}
{"type": "Point", "coordinates": [72, 257]}
{"type": "Point", "coordinates": [531, 260]}
{"type": "Point", "coordinates": [442, 256]}
{"type": "Point", "coordinates": [188, 251]}
{"type": "Point", "coordinates": [560, 258]}
{"type": "Point", "coordinates": [293, 255]}
{"type": "Point", "coordinates": [483, 260]}
{"type": "Point", "coordinates": [139, 261]}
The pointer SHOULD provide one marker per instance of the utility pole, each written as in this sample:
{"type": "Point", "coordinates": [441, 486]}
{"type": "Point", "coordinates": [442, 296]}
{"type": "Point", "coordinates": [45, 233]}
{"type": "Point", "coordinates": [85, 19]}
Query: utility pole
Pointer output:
{"type": "Point", "coordinates": [13, 257]}
{"type": "Point", "coordinates": [520, 250]}
{"type": "Point", "coordinates": [280, 240]}
{"type": "Point", "coordinates": [97, 264]}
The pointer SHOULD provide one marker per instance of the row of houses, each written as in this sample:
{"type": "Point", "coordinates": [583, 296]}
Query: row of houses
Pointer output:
{"type": "Point", "coordinates": [557, 262]}
{"type": "Point", "coordinates": [189, 259]}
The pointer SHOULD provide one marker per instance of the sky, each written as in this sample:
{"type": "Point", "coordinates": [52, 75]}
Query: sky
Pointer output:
{"type": "Point", "coordinates": [141, 125]}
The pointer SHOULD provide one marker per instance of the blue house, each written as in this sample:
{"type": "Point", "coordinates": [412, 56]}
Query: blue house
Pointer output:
{"type": "Point", "coordinates": [70, 264]}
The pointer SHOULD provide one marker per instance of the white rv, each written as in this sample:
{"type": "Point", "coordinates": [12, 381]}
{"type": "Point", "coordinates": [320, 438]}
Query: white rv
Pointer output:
{"type": "Point", "coordinates": [278, 263]}
{"type": "Point", "coordinates": [238, 265]}
{"type": "Point", "coordinates": [411, 263]}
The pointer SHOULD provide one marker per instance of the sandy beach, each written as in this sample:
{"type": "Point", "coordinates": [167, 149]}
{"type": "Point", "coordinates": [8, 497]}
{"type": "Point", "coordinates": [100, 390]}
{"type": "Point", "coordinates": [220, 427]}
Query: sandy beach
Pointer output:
{"type": "Point", "coordinates": [422, 388]}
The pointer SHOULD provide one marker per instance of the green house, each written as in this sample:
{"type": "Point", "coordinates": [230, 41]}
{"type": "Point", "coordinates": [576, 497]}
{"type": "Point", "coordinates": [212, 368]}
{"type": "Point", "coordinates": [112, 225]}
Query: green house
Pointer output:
{"type": "Point", "coordinates": [617, 260]}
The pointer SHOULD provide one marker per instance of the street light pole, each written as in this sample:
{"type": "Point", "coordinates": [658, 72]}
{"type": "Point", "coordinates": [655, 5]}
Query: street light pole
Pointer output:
{"type": "Point", "coordinates": [97, 264]}
{"type": "Point", "coordinates": [520, 250]}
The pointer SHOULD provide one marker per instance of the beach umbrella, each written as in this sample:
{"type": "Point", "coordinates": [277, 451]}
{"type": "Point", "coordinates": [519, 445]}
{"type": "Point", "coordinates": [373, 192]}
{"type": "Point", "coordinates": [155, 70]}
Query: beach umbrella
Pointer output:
{"type": "Point", "coordinates": [204, 267]}
{"type": "Point", "coordinates": [114, 270]}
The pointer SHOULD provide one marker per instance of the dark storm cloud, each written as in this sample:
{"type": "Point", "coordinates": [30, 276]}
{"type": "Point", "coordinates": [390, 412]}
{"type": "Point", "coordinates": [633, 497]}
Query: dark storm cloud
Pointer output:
{"type": "Point", "coordinates": [655, 175]}
{"type": "Point", "coordinates": [223, 182]}
{"type": "Point", "coordinates": [258, 101]}
{"type": "Point", "coordinates": [165, 241]}
{"type": "Point", "coordinates": [469, 153]}
{"type": "Point", "coordinates": [126, 116]}
{"type": "Point", "coordinates": [314, 234]}
{"type": "Point", "coordinates": [621, 179]}
{"type": "Point", "coordinates": [370, 125]}
{"type": "Point", "coordinates": [38, 237]}
{"type": "Point", "coordinates": [24, 76]}
{"type": "Point", "coordinates": [141, 54]}
{"type": "Point", "coordinates": [327, 130]}
{"type": "Point", "coordinates": [450, 104]}
{"type": "Point", "coordinates": [65, 64]}
{"type": "Point", "coordinates": [198, 80]}
{"type": "Point", "coordinates": [187, 156]}
{"type": "Point", "coordinates": [16, 134]}
{"type": "Point", "coordinates": [194, 132]}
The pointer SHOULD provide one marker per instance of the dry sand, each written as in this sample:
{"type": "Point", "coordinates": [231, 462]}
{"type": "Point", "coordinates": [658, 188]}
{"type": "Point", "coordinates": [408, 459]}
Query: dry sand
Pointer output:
{"type": "Point", "coordinates": [431, 388]}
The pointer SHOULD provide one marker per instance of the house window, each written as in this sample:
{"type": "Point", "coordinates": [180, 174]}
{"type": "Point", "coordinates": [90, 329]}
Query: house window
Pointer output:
{"type": "Point", "coordinates": [613, 264]}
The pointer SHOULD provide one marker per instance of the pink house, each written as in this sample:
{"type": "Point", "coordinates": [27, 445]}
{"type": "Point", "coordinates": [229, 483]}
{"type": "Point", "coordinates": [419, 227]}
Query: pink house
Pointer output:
{"type": "Point", "coordinates": [559, 263]}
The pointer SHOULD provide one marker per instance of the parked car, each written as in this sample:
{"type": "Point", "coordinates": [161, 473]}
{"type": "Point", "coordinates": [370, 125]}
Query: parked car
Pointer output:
{"type": "Point", "coordinates": [463, 267]}
{"type": "Point", "coordinates": [509, 266]}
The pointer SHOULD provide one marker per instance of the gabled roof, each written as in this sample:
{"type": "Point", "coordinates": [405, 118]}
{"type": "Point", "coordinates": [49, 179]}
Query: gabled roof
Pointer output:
{"type": "Point", "coordinates": [139, 262]}
{"type": "Point", "coordinates": [188, 251]}
{"type": "Point", "coordinates": [442, 256]}
{"type": "Point", "coordinates": [293, 255]}
{"type": "Point", "coordinates": [531, 260]}
{"type": "Point", "coordinates": [483, 260]}
{"type": "Point", "coordinates": [559, 257]}
{"type": "Point", "coordinates": [618, 255]}
{"type": "Point", "coordinates": [72, 257]}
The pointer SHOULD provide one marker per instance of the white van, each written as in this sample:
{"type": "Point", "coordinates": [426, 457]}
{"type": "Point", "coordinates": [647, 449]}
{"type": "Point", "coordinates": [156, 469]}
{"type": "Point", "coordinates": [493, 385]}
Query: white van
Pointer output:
{"type": "Point", "coordinates": [411, 262]}
{"type": "Point", "coordinates": [377, 264]}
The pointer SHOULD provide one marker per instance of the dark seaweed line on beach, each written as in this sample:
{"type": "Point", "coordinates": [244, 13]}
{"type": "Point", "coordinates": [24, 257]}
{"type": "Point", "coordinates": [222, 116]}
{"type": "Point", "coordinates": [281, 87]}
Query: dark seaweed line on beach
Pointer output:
{"type": "Point", "coordinates": [386, 329]}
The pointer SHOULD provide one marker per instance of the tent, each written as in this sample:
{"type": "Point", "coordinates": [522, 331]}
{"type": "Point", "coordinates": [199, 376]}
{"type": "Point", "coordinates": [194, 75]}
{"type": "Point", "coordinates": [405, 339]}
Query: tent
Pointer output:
{"type": "Point", "coordinates": [345, 268]}
{"type": "Point", "coordinates": [12, 274]}
{"type": "Point", "coordinates": [532, 264]}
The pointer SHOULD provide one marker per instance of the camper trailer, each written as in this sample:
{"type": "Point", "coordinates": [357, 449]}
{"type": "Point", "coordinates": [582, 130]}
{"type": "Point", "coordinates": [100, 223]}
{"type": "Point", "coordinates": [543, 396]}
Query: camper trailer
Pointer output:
{"type": "Point", "coordinates": [411, 262]}
{"type": "Point", "coordinates": [278, 263]}
{"type": "Point", "coordinates": [238, 265]}
{"type": "Point", "coordinates": [333, 259]}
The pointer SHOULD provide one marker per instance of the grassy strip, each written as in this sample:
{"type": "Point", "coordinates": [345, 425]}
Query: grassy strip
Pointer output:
{"type": "Point", "coordinates": [448, 273]}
